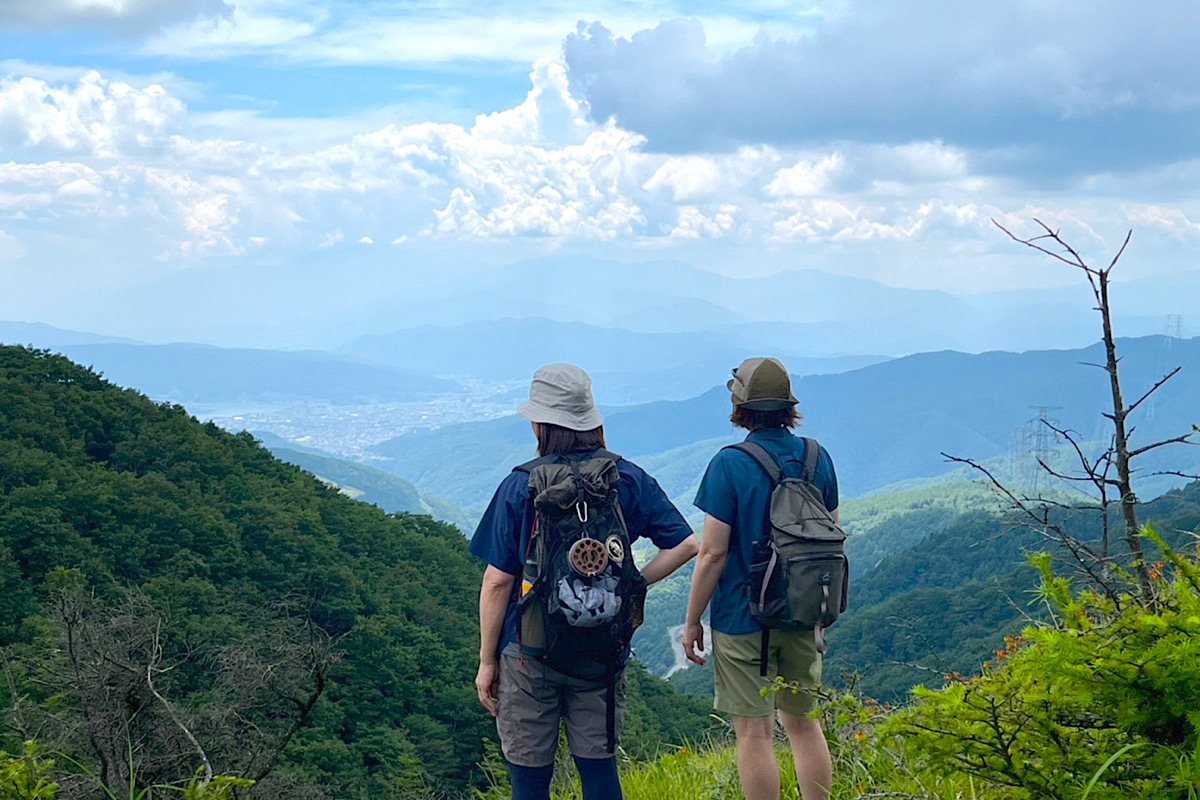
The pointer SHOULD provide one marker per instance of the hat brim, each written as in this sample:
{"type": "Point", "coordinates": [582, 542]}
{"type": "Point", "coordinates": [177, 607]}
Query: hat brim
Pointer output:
{"type": "Point", "coordinates": [585, 421]}
{"type": "Point", "coordinates": [765, 405]}
{"type": "Point", "coordinates": [762, 404]}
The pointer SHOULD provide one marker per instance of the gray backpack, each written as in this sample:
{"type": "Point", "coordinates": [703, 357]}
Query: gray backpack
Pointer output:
{"type": "Point", "coordinates": [799, 575]}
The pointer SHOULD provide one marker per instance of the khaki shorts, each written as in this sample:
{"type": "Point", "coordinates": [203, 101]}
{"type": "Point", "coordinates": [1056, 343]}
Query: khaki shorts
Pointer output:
{"type": "Point", "coordinates": [792, 655]}
{"type": "Point", "coordinates": [533, 698]}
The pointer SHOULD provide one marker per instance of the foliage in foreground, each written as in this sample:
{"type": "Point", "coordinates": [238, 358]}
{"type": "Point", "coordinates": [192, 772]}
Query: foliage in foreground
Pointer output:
{"type": "Point", "coordinates": [1104, 702]}
{"type": "Point", "coordinates": [28, 777]}
{"type": "Point", "coordinates": [1100, 702]}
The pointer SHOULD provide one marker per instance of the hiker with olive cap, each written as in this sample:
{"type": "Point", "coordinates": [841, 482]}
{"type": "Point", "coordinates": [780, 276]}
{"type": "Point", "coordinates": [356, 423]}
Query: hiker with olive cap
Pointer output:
{"type": "Point", "coordinates": [772, 564]}
{"type": "Point", "coordinates": [561, 595]}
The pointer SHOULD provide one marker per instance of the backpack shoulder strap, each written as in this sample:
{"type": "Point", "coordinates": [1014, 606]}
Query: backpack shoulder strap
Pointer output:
{"type": "Point", "coordinates": [761, 457]}
{"type": "Point", "coordinates": [812, 454]}
{"type": "Point", "coordinates": [528, 466]}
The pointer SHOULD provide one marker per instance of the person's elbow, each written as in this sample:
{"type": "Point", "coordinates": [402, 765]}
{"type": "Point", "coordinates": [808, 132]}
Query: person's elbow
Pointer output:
{"type": "Point", "coordinates": [711, 557]}
{"type": "Point", "coordinates": [689, 548]}
{"type": "Point", "coordinates": [497, 581]}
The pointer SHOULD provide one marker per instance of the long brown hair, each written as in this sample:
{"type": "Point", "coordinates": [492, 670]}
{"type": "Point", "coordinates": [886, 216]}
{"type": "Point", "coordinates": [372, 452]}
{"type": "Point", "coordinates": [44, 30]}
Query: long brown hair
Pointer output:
{"type": "Point", "coordinates": [555, 439]}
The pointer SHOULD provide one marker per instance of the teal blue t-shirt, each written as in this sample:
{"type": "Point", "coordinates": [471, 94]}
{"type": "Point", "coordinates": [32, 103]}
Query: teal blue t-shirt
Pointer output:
{"type": "Point", "coordinates": [737, 491]}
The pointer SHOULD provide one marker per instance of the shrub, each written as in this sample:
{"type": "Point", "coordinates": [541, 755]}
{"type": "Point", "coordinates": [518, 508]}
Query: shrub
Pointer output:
{"type": "Point", "coordinates": [1103, 702]}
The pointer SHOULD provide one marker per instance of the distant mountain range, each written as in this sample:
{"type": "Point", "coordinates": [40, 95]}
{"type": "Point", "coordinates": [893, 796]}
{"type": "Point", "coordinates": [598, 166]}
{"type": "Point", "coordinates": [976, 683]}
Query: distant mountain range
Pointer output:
{"type": "Point", "coordinates": [189, 372]}
{"type": "Point", "coordinates": [627, 366]}
{"type": "Point", "coordinates": [802, 312]}
{"type": "Point", "coordinates": [37, 334]}
{"type": "Point", "coordinates": [841, 315]}
{"type": "Point", "coordinates": [883, 424]}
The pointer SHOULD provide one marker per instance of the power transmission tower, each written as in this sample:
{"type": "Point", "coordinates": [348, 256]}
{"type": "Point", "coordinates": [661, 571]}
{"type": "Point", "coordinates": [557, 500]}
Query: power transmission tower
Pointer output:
{"type": "Point", "coordinates": [1172, 330]}
{"type": "Point", "coordinates": [1173, 327]}
{"type": "Point", "coordinates": [1040, 441]}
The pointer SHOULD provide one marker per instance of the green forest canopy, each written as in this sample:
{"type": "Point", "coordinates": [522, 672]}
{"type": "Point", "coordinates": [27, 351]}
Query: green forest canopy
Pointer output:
{"type": "Point", "coordinates": [219, 541]}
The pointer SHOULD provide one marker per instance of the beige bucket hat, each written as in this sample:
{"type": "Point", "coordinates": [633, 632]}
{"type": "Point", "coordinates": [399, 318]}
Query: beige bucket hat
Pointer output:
{"type": "Point", "coordinates": [561, 394]}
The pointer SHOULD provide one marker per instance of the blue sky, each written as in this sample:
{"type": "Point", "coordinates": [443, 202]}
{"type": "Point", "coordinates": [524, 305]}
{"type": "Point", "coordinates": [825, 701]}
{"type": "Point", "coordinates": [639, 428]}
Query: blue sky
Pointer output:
{"type": "Point", "coordinates": [144, 138]}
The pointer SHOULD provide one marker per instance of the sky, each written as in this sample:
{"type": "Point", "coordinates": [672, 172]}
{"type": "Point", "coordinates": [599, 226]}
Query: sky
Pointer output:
{"type": "Point", "coordinates": [226, 139]}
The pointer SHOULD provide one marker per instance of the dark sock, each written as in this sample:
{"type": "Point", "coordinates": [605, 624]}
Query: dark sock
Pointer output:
{"type": "Point", "coordinates": [599, 778]}
{"type": "Point", "coordinates": [530, 783]}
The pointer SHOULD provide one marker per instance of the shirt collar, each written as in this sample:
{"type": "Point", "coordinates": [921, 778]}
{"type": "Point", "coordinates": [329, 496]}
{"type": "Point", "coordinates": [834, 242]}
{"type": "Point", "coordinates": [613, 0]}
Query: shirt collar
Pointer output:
{"type": "Point", "coordinates": [768, 433]}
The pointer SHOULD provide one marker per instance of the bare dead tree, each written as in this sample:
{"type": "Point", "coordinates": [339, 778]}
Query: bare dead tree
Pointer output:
{"type": "Point", "coordinates": [128, 678]}
{"type": "Point", "coordinates": [279, 673]}
{"type": "Point", "coordinates": [1110, 473]}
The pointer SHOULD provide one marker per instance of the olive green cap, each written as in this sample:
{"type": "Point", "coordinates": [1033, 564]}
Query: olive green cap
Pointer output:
{"type": "Point", "coordinates": [761, 384]}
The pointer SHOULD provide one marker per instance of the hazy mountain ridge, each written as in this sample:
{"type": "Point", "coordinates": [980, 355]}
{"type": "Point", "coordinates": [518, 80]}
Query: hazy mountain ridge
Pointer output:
{"type": "Point", "coordinates": [872, 317]}
{"type": "Point", "coordinates": [626, 366]}
{"type": "Point", "coordinates": [188, 372]}
{"type": "Point", "coordinates": [882, 424]}
{"type": "Point", "coordinates": [37, 334]}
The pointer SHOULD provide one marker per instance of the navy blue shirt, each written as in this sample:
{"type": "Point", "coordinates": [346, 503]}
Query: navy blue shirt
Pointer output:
{"type": "Point", "coordinates": [737, 491]}
{"type": "Point", "coordinates": [503, 534]}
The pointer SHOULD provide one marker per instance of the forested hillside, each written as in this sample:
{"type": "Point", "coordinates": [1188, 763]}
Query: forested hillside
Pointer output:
{"type": "Point", "coordinates": [158, 575]}
{"type": "Point", "coordinates": [934, 590]}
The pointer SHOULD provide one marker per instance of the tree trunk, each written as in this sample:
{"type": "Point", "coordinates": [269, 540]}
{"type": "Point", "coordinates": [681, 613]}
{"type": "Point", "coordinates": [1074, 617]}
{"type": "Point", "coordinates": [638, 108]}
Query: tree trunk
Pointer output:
{"type": "Point", "coordinates": [1133, 531]}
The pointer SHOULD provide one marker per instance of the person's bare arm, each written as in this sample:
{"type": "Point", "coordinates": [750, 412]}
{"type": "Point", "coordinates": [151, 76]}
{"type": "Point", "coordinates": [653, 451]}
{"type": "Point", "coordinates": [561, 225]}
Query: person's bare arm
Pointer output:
{"type": "Point", "coordinates": [494, 594]}
{"type": "Point", "coordinates": [667, 561]}
{"type": "Point", "coordinates": [837, 515]}
{"type": "Point", "coordinates": [714, 551]}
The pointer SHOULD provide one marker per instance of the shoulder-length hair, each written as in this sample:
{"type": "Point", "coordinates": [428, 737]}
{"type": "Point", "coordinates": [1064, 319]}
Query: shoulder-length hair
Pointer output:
{"type": "Point", "coordinates": [754, 420]}
{"type": "Point", "coordinates": [555, 439]}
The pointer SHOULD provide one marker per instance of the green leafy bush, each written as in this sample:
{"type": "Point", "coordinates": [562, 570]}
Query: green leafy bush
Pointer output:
{"type": "Point", "coordinates": [1102, 702]}
{"type": "Point", "coordinates": [26, 777]}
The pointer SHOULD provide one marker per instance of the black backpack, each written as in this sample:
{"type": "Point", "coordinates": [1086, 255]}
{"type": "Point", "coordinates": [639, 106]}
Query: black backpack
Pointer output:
{"type": "Point", "coordinates": [581, 593]}
{"type": "Point", "coordinates": [799, 575]}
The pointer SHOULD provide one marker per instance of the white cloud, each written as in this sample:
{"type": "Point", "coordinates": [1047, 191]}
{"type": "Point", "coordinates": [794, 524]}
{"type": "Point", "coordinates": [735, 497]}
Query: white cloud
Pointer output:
{"type": "Point", "coordinates": [838, 221]}
{"type": "Point", "coordinates": [56, 186]}
{"type": "Point", "coordinates": [550, 115]}
{"type": "Point", "coordinates": [1171, 219]}
{"type": "Point", "coordinates": [121, 16]}
{"type": "Point", "coordinates": [242, 30]}
{"type": "Point", "coordinates": [207, 210]}
{"type": "Point", "coordinates": [536, 175]}
{"type": "Point", "coordinates": [693, 224]}
{"type": "Point", "coordinates": [806, 178]}
{"type": "Point", "coordinates": [686, 179]}
{"type": "Point", "coordinates": [95, 116]}
{"type": "Point", "coordinates": [932, 159]}
{"type": "Point", "coordinates": [438, 33]}
{"type": "Point", "coordinates": [575, 191]}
